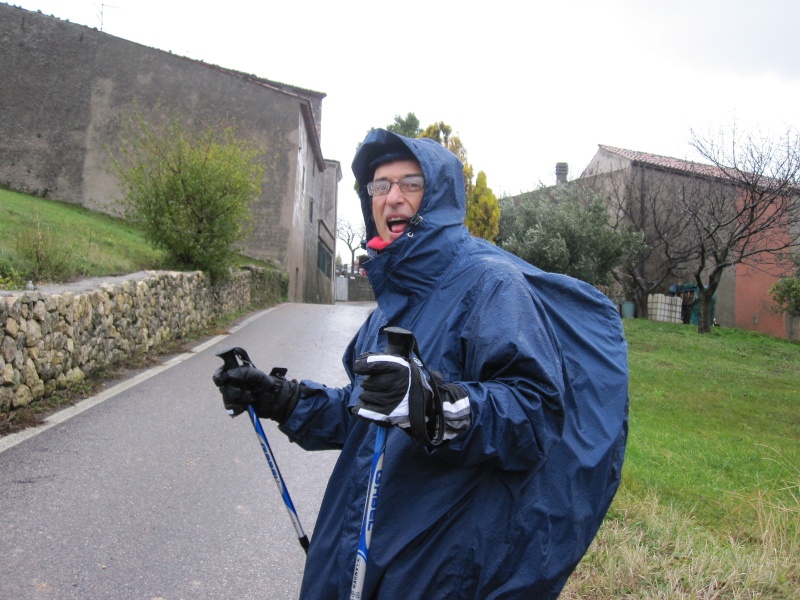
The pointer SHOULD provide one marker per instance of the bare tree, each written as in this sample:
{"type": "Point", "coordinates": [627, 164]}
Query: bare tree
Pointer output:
{"type": "Point", "coordinates": [352, 236]}
{"type": "Point", "coordinates": [642, 200]}
{"type": "Point", "coordinates": [746, 213]}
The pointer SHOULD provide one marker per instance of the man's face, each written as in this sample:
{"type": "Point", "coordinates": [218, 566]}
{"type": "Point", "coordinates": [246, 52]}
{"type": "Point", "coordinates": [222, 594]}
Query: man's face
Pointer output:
{"type": "Point", "coordinates": [392, 211]}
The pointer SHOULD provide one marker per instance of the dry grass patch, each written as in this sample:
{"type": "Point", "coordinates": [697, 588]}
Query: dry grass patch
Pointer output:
{"type": "Point", "coordinates": [649, 551]}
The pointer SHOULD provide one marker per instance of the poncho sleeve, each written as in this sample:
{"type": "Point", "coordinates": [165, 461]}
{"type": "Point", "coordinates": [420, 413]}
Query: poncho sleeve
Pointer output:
{"type": "Point", "coordinates": [513, 371]}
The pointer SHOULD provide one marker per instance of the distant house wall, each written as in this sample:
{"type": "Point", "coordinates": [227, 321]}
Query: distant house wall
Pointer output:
{"type": "Point", "coordinates": [64, 92]}
{"type": "Point", "coordinates": [754, 308]}
{"type": "Point", "coordinates": [623, 181]}
{"type": "Point", "coordinates": [321, 239]}
{"type": "Point", "coordinates": [725, 307]}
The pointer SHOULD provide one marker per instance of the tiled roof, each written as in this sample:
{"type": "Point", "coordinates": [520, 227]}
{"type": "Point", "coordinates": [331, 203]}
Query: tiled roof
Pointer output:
{"type": "Point", "coordinates": [666, 162]}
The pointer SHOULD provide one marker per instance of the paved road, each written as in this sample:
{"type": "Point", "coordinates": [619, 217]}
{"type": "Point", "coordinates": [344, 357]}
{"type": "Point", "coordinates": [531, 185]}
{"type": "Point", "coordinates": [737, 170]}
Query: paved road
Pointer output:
{"type": "Point", "coordinates": [152, 492]}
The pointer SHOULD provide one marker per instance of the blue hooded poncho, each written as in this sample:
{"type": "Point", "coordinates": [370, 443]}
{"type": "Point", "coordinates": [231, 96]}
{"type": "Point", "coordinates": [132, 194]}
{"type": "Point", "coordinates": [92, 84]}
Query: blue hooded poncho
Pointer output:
{"type": "Point", "coordinates": [509, 507]}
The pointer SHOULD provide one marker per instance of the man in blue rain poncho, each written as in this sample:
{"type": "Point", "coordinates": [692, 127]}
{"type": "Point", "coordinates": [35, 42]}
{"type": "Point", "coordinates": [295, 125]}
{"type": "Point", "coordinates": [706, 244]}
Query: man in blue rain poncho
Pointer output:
{"type": "Point", "coordinates": [530, 372]}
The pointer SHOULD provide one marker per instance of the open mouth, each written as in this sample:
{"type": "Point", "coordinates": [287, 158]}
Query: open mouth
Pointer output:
{"type": "Point", "coordinates": [397, 225]}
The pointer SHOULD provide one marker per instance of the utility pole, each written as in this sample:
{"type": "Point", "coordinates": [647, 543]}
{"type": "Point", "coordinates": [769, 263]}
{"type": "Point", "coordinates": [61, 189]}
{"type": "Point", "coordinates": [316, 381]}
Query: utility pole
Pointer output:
{"type": "Point", "coordinates": [102, 13]}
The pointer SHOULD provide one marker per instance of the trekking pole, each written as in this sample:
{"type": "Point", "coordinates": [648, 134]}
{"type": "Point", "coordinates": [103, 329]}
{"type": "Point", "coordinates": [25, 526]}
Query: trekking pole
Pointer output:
{"type": "Point", "coordinates": [231, 362]}
{"type": "Point", "coordinates": [399, 342]}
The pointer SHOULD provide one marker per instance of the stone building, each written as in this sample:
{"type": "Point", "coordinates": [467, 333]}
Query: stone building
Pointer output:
{"type": "Point", "coordinates": [65, 89]}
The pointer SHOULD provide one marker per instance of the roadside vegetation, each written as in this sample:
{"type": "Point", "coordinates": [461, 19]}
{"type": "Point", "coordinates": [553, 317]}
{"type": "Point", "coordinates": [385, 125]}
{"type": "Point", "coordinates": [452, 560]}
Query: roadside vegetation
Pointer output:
{"type": "Point", "coordinates": [46, 241]}
{"type": "Point", "coordinates": [189, 189]}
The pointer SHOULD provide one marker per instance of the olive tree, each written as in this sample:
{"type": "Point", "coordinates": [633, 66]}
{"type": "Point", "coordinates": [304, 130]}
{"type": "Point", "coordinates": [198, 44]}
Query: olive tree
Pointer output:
{"type": "Point", "coordinates": [786, 293]}
{"type": "Point", "coordinates": [566, 229]}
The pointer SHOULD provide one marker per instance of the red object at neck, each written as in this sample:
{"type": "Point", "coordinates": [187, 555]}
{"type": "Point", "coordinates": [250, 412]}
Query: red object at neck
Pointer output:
{"type": "Point", "coordinates": [377, 243]}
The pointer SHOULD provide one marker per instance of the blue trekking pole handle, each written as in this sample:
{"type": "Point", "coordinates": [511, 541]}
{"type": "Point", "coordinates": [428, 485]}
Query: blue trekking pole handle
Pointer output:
{"type": "Point", "coordinates": [360, 571]}
{"type": "Point", "coordinates": [276, 474]}
{"type": "Point", "coordinates": [400, 342]}
{"type": "Point", "coordinates": [231, 357]}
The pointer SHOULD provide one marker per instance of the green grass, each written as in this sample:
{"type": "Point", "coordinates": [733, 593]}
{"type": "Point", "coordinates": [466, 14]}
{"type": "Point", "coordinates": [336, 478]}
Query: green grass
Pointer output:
{"type": "Point", "coordinates": [709, 505]}
{"type": "Point", "coordinates": [49, 241]}
{"type": "Point", "coordinates": [714, 418]}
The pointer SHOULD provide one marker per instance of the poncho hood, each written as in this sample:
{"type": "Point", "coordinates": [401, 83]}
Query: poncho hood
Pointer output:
{"type": "Point", "coordinates": [430, 245]}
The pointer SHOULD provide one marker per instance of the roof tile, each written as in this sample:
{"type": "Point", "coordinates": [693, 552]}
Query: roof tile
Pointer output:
{"type": "Point", "coordinates": [666, 162]}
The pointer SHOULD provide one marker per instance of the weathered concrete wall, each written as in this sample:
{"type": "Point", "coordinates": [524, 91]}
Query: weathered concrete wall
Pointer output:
{"type": "Point", "coordinates": [320, 242]}
{"type": "Point", "coordinates": [354, 288]}
{"type": "Point", "coordinates": [51, 340]}
{"type": "Point", "coordinates": [359, 289]}
{"type": "Point", "coordinates": [66, 89]}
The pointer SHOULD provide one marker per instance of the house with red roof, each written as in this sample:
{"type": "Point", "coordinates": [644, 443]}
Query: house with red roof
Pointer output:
{"type": "Point", "coordinates": [661, 195]}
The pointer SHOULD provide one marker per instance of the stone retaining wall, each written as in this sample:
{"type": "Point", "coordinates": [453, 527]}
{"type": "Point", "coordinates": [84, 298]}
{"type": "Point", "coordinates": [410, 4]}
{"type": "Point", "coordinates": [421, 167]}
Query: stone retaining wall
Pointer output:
{"type": "Point", "coordinates": [53, 339]}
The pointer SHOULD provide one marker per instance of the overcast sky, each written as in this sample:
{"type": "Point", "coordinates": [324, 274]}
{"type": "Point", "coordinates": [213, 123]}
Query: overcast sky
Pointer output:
{"type": "Point", "coordinates": [524, 84]}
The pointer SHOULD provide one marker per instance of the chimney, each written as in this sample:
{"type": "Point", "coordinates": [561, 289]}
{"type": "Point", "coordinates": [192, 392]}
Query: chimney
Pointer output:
{"type": "Point", "coordinates": [561, 172]}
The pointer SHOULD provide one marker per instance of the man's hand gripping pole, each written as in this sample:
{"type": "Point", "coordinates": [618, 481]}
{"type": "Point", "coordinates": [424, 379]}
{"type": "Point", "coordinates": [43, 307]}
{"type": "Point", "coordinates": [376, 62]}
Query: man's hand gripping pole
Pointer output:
{"type": "Point", "coordinates": [399, 342]}
{"type": "Point", "coordinates": [231, 359]}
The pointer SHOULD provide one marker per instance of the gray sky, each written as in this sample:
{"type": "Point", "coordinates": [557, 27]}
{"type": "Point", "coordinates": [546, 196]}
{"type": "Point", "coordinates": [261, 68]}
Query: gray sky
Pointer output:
{"type": "Point", "coordinates": [524, 84]}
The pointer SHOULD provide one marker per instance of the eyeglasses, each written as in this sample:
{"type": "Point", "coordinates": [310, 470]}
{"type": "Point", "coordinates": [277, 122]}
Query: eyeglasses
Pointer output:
{"type": "Point", "coordinates": [410, 184]}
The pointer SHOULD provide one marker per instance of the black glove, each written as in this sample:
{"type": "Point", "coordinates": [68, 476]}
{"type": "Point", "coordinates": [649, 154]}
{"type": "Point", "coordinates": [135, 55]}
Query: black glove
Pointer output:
{"type": "Point", "coordinates": [393, 384]}
{"type": "Point", "coordinates": [273, 397]}
{"type": "Point", "coordinates": [389, 383]}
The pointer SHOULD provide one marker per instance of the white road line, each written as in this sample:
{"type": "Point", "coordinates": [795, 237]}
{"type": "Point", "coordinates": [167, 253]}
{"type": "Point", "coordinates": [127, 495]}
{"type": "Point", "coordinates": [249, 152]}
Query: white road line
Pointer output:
{"type": "Point", "coordinates": [11, 440]}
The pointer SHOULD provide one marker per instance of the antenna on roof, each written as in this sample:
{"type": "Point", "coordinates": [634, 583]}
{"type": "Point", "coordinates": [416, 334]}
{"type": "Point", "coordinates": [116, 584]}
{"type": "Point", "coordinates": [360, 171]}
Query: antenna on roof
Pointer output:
{"type": "Point", "coordinates": [102, 15]}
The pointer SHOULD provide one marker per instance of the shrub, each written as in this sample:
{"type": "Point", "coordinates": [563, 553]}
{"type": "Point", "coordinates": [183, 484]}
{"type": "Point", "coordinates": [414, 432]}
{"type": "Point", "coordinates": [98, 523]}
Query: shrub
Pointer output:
{"type": "Point", "coordinates": [10, 277]}
{"type": "Point", "coordinates": [566, 229]}
{"type": "Point", "coordinates": [190, 190]}
{"type": "Point", "coordinates": [786, 293]}
{"type": "Point", "coordinates": [41, 256]}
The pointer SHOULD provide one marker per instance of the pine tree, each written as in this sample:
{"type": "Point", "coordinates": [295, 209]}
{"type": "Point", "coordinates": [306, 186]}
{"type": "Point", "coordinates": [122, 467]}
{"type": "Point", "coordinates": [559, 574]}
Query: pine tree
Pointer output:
{"type": "Point", "coordinates": [483, 210]}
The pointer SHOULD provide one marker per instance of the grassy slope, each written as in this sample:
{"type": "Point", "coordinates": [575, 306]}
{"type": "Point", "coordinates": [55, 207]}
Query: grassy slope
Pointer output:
{"type": "Point", "coordinates": [85, 242]}
{"type": "Point", "coordinates": [709, 505]}
{"type": "Point", "coordinates": [71, 242]}
{"type": "Point", "coordinates": [713, 417]}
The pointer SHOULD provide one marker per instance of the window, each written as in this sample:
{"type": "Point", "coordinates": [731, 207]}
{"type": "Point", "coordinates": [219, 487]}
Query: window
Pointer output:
{"type": "Point", "coordinates": [324, 259]}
